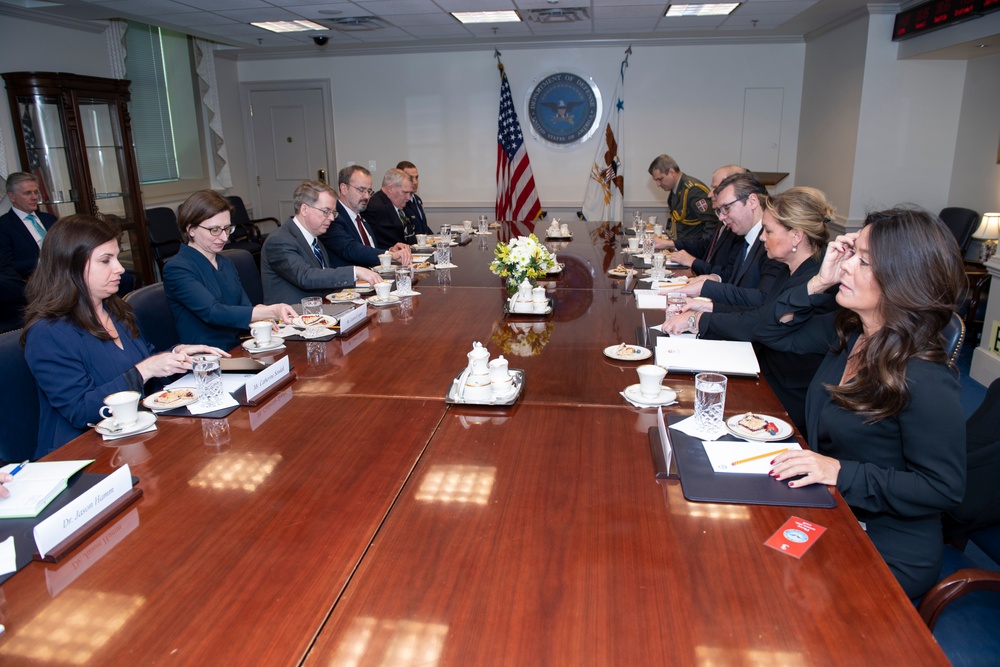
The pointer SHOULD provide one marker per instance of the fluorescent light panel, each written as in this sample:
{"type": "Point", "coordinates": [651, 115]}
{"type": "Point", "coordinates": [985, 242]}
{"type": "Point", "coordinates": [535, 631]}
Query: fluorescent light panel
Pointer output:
{"type": "Point", "coordinates": [711, 9]}
{"type": "Point", "coordinates": [504, 16]}
{"type": "Point", "coordinates": [289, 26]}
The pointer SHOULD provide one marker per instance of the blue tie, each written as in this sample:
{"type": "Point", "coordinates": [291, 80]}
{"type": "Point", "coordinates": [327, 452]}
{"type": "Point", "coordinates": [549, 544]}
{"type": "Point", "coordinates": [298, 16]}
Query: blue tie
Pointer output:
{"type": "Point", "coordinates": [318, 253]}
{"type": "Point", "coordinates": [37, 225]}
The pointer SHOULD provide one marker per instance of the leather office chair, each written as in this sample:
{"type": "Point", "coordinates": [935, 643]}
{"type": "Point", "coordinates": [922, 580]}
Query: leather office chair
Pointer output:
{"type": "Point", "coordinates": [248, 272]}
{"type": "Point", "coordinates": [164, 236]}
{"type": "Point", "coordinates": [962, 222]}
{"type": "Point", "coordinates": [152, 314]}
{"type": "Point", "coordinates": [18, 402]}
{"type": "Point", "coordinates": [246, 233]}
{"type": "Point", "coordinates": [963, 609]}
{"type": "Point", "coordinates": [953, 335]}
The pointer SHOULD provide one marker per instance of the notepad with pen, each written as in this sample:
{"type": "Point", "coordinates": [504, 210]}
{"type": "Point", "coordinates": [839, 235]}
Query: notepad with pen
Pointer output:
{"type": "Point", "coordinates": [35, 486]}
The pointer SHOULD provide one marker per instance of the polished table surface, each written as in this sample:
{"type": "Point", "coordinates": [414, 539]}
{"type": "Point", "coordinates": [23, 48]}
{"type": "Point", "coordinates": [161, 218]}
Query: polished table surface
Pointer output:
{"type": "Point", "coordinates": [356, 519]}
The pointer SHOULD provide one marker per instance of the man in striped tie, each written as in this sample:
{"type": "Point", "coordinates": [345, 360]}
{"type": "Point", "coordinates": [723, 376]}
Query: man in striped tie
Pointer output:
{"type": "Point", "coordinates": [293, 263]}
{"type": "Point", "coordinates": [22, 232]}
{"type": "Point", "coordinates": [385, 211]}
{"type": "Point", "coordinates": [23, 228]}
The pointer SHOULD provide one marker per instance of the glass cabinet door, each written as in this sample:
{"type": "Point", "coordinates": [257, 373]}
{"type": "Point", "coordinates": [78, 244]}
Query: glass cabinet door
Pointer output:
{"type": "Point", "coordinates": [48, 155]}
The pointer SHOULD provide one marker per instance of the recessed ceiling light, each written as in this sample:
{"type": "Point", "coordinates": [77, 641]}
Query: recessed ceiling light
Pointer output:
{"type": "Point", "coordinates": [712, 9]}
{"type": "Point", "coordinates": [331, 12]}
{"type": "Point", "coordinates": [289, 26]}
{"type": "Point", "coordinates": [504, 16]}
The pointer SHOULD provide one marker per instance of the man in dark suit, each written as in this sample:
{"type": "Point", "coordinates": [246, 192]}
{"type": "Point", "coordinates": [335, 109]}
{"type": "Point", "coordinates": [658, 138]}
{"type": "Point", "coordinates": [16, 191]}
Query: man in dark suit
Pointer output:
{"type": "Point", "coordinates": [745, 281]}
{"type": "Point", "coordinates": [415, 207]}
{"type": "Point", "coordinates": [385, 212]}
{"type": "Point", "coordinates": [293, 264]}
{"type": "Point", "coordinates": [709, 254]}
{"type": "Point", "coordinates": [350, 240]}
{"type": "Point", "coordinates": [22, 231]}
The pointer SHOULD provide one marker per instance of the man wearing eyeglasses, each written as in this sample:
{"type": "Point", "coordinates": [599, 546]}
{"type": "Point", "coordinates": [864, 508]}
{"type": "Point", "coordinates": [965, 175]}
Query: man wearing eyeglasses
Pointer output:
{"type": "Point", "coordinates": [690, 207]}
{"type": "Point", "coordinates": [709, 254]}
{"type": "Point", "coordinates": [745, 280]}
{"type": "Point", "coordinates": [350, 240]}
{"type": "Point", "coordinates": [293, 263]}
{"type": "Point", "coordinates": [385, 211]}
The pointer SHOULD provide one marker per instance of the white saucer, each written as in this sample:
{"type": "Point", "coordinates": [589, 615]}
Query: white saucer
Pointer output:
{"type": "Point", "coordinates": [384, 269]}
{"type": "Point", "coordinates": [558, 237]}
{"type": "Point", "coordinates": [144, 421]}
{"type": "Point", "coordinates": [251, 345]}
{"type": "Point", "coordinates": [639, 353]}
{"type": "Point", "coordinates": [633, 393]}
{"type": "Point", "coordinates": [784, 428]}
{"type": "Point", "coordinates": [374, 300]}
{"type": "Point", "coordinates": [558, 269]}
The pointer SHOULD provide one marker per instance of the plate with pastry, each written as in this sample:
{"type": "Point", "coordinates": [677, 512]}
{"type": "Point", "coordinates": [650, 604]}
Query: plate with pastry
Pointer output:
{"type": "Point", "coordinates": [620, 271]}
{"type": "Point", "coordinates": [314, 321]}
{"type": "Point", "coordinates": [625, 352]}
{"type": "Point", "coordinates": [756, 426]}
{"type": "Point", "coordinates": [423, 267]}
{"type": "Point", "coordinates": [344, 296]}
{"type": "Point", "coordinates": [171, 398]}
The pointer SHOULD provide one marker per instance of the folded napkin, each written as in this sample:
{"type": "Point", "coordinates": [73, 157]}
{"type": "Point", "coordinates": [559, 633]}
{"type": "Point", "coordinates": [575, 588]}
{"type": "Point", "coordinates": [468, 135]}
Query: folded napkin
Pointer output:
{"type": "Point", "coordinates": [690, 426]}
{"type": "Point", "coordinates": [403, 294]}
{"type": "Point", "coordinates": [116, 436]}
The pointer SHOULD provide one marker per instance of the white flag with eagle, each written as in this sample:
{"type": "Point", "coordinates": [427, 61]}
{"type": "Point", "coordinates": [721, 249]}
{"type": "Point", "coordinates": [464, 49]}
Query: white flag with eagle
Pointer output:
{"type": "Point", "coordinates": [605, 198]}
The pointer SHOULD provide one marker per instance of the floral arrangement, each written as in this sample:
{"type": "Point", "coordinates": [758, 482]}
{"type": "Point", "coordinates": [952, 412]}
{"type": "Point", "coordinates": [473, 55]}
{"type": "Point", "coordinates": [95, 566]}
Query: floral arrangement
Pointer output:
{"type": "Point", "coordinates": [524, 257]}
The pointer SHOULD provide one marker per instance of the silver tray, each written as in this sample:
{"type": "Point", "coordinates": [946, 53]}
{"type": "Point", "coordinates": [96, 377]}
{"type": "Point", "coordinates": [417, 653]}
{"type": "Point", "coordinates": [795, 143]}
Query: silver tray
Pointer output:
{"type": "Point", "coordinates": [452, 397]}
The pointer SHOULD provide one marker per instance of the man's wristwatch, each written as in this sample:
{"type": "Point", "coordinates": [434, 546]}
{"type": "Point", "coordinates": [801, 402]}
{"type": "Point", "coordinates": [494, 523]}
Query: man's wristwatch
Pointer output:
{"type": "Point", "coordinates": [693, 323]}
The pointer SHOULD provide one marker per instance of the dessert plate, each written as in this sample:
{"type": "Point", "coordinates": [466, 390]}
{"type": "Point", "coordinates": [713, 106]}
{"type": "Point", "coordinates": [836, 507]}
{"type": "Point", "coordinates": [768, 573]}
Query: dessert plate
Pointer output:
{"type": "Point", "coordinates": [784, 428]}
{"type": "Point", "coordinates": [625, 352]}
{"type": "Point", "coordinates": [171, 398]}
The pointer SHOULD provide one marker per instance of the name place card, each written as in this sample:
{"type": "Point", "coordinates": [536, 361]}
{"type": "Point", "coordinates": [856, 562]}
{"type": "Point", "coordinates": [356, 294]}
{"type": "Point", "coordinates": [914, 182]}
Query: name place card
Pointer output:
{"type": "Point", "coordinates": [351, 318]}
{"type": "Point", "coordinates": [267, 378]}
{"type": "Point", "coordinates": [668, 450]}
{"type": "Point", "coordinates": [75, 515]}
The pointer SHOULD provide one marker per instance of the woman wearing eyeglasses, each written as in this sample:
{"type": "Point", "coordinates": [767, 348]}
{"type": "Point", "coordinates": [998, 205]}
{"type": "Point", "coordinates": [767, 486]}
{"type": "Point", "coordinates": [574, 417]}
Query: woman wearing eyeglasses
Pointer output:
{"type": "Point", "coordinates": [203, 288]}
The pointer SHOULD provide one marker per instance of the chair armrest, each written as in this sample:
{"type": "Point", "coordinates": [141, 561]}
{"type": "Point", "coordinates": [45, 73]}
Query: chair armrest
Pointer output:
{"type": "Point", "coordinates": [949, 589]}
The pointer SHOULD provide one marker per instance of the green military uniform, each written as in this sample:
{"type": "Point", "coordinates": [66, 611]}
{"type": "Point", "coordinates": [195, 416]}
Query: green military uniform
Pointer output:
{"type": "Point", "coordinates": [691, 209]}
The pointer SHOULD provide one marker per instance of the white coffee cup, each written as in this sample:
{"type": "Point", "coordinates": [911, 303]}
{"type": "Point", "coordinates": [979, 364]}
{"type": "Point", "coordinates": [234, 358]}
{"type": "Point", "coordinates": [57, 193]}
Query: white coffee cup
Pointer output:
{"type": "Point", "coordinates": [385, 259]}
{"type": "Point", "coordinates": [467, 225]}
{"type": "Point", "coordinates": [421, 239]}
{"type": "Point", "coordinates": [657, 229]}
{"type": "Point", "coordinates": [122, 407]}
{"type": "Point", "coordinates": [650, 379]}
{"type": "Point", "coordinates": [382, 290]}
{"type": "Point", "coordinates": [261, 332]}
{"type": "Point", "coordinates": [633, 244]}
{"type": "Point", "coordinates": [478, 388]}
{"type": "Point", "coordinates": [652, 220]}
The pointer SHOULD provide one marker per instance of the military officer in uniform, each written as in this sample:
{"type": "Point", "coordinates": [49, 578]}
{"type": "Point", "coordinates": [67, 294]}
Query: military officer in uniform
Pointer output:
{"type": "Point", "coordinates": [690, 205]}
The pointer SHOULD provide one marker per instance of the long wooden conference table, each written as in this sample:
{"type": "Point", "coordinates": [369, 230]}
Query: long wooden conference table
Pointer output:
{"type": "Point", "coordinates": [357, 519]}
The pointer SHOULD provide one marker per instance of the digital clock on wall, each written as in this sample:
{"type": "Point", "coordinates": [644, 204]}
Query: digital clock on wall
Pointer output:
{"type": "Point", "coordinates": [938, 14]}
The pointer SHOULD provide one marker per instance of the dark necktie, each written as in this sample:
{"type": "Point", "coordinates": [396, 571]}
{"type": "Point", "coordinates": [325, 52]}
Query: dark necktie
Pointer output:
{"type": "Point", "coordinates": [318, 253]}
{"type": "Point", "coordinates": [364, 235]}
{"type": "Point", "coordinates": [715, 240]}
{"type": "Point", "coordinates": [407, 226]}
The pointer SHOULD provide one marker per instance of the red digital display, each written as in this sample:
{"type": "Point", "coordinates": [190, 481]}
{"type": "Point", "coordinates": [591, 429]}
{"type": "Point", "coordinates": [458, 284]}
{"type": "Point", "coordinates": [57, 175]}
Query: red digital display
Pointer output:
{"type": "Point", "coordinates": [937, 14]}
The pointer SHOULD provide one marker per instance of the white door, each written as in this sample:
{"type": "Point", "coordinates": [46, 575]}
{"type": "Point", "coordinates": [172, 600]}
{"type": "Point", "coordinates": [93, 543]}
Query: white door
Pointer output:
{"type": "Point", "coordinates": [292, 137]}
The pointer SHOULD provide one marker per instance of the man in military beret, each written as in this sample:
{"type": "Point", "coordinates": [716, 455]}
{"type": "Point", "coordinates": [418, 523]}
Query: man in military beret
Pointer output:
{"type": "Point", "coordinates": [690, 206]}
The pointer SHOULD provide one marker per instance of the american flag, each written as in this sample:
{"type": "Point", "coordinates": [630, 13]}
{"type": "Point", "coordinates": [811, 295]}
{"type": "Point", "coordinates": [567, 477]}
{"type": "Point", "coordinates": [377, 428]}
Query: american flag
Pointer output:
{"type": "Point", "coordinates": [517, 198]}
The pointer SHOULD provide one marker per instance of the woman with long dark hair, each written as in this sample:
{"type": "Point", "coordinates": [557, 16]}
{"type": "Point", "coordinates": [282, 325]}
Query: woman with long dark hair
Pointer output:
{"type": "Point", "coordinates": [884, 419]}
{"type": "Point", "coordinates": [203, 288]}
{"type": "Point", "coordinates": [81, 340]}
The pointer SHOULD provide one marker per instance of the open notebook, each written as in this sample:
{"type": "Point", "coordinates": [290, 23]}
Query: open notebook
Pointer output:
{"type": "Point", "coordinates": [695, 355]}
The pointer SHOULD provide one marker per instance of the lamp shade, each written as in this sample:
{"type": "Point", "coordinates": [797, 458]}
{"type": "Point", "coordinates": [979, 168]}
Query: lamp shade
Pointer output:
{"type": "Point", "coordinates": [989, 227]}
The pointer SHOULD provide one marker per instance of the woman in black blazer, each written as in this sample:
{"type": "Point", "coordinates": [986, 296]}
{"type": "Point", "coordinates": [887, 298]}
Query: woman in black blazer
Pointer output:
{"type": "Point", "coordinates": [884, 419]}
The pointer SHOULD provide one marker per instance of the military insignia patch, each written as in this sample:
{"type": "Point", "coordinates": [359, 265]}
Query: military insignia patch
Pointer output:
{"type": "Point", "coordinates": [701, 205]}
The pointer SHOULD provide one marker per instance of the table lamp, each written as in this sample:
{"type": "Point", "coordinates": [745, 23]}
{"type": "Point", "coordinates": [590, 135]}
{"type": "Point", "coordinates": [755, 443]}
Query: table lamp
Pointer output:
{"type": "Point", "coordinates": [988, 232]}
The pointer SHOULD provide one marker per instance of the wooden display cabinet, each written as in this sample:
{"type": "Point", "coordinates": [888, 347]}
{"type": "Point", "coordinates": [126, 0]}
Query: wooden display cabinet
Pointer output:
{"type": "Point", "coordinates": [75, 134]}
